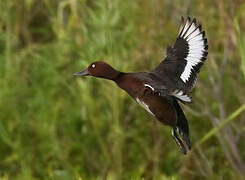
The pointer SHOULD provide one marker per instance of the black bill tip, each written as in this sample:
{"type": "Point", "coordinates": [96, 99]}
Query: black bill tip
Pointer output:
{"type": "Point", "coordinates": [82, 73]}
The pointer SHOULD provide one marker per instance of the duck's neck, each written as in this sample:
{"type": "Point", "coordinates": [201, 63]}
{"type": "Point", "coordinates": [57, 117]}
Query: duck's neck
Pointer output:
{"type": "Point", "coordinates": [110, 73]}
{"type": "Point", "coordinates": [114, 75]}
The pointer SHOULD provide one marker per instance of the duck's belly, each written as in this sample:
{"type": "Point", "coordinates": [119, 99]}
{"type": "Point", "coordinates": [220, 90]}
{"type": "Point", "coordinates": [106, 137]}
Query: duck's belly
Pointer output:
{"type": "Point", "coordinates": [159, 107]}
{"type": "Point", "coordinates": [144, 105]}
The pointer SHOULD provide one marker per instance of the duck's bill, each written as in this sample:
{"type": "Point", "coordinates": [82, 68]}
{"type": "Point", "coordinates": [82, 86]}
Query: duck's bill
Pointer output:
{"type": "Point", "coordinates": [82, 73]}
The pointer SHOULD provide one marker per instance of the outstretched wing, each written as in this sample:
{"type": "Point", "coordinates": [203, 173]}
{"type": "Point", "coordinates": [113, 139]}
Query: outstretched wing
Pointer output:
{"type": "Point", "coordinates": [184, 59]}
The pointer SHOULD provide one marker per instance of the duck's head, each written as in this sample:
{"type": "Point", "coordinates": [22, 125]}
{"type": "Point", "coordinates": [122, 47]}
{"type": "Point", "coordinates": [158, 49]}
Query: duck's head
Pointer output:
{"type": "Point", "coordinates": [99, 69]}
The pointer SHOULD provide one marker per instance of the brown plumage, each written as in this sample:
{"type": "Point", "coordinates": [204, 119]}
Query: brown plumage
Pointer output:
{"type": "Point", "coordinates": [159, 91]}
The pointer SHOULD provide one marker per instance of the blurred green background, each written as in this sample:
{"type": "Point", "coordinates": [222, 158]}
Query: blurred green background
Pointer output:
{"type": "Point", "coordinates": [55, 126]}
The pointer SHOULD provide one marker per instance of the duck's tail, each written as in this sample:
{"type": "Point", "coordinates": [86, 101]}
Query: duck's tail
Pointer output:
{"type": "Point", "coordinates": [181, 130]}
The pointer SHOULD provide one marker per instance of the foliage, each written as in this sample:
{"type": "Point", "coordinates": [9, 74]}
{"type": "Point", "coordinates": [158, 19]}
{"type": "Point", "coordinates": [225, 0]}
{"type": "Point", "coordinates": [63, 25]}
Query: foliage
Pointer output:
{"type": "Point", "coordinates": [55, 126]}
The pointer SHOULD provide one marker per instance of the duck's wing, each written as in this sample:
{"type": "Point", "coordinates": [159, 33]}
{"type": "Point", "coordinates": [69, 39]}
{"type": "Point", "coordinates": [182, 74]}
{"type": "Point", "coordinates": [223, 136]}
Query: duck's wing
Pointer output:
{"type": "Point", "coordinates": [184, 59]}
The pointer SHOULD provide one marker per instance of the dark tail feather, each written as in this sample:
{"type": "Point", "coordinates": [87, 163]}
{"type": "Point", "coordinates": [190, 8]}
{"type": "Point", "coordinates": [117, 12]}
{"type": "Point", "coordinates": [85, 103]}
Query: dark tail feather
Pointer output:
{"type": "Point", "coordinates": [182, 125]}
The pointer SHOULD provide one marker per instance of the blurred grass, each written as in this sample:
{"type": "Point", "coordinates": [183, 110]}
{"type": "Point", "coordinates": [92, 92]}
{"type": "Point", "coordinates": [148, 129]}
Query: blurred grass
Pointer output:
{"type": "Point", "coordinates": [215, 130]}
{"type": "Point", "coordinates": [54, 126]}
{"type": "Point", "coordinates": [241, 46]}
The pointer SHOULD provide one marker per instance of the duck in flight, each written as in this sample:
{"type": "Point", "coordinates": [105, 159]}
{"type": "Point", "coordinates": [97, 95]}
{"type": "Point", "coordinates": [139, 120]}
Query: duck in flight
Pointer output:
{"type": "Point", "coordinates": [159, 91]}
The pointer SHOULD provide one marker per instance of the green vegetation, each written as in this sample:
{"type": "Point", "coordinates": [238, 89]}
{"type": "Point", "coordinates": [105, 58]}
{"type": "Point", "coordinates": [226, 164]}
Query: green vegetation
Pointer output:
{"type": "Point", "coordinates": [54, 126]}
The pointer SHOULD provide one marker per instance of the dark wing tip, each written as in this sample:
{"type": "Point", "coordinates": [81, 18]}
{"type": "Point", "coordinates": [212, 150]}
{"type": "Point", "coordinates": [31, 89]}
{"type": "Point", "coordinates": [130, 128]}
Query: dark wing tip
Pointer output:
{"type": "Point", "coordinates": [203, 34]}
{"type": "Point", "coordinates": [205, 40]}
{"type": "Point", "coordinates": [205, 54]}
{"type": "Point", "coordinates": [200, 27]}
{"type": "Point", "coordinates": [206, 47]}
{"type": "Point", "coordinates": [182, 20]}
{"type": "Point", "coordinates": [194, 21]}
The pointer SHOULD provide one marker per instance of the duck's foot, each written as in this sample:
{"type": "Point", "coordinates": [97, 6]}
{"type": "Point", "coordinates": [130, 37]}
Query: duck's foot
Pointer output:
{"type": "Point", "coordinates": [178, 140]}
{"type": "Point", "coordinates": [185, 138]}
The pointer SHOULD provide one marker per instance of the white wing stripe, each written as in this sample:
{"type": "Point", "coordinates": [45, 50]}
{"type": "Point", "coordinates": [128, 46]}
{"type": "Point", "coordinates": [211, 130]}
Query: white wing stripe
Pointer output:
{"type": "Point", "coordinates": [190, 30]}
{"type": "Point", "coordinates": [196, 44]}
{"type": "Point", "coordinates": [192, 62]}
{"type": "Point", "coordinates": [194, 34]}
{"type": "Point", "coordinates": [187, 72]}
{"type": "Point", "coordinates": [187, 24]}
{"type": "Point", "coordinates": [199, 33]}
{"type": "Point", "coordinates": [193, 53]}
{"type": "Point", "coordinates": [197, 49]}
{"type": "Point", "coordinates": [197, 38]}
{"type": "Point", "coordinates": [180, 95]}
{"type": "Point", "coordinates": [195, 57]}
{"type": "Point", "coordinates": [181, 28]}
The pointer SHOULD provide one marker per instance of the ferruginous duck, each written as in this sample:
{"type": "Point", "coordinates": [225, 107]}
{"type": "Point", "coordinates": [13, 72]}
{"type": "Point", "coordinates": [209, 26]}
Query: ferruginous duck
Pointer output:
{"type": "Point", "coordinates": [159, 91]}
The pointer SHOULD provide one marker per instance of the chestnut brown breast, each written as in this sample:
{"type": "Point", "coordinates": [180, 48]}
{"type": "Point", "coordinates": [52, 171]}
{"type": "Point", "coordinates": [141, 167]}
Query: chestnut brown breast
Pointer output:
{"type": "Point", "coordinates": [132, 85]}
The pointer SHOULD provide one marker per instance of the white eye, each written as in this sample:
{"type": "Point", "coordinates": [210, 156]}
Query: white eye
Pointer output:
{"type": "Point", "coordinates": [93, 65]}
